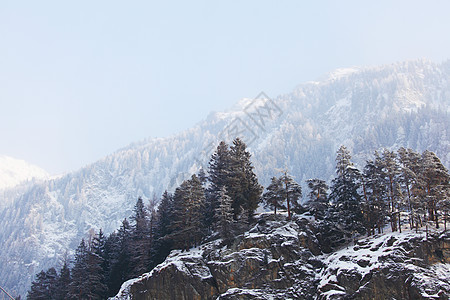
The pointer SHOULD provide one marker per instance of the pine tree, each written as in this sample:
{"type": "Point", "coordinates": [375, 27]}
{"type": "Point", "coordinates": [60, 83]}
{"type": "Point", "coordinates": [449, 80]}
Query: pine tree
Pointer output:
{"type": "Point", "coordinates": [374, 189]}
{"type": "Point", "coordinates": [292, 192]}
{"type": "Point", "coordinates": [344, 193]}
{"type": "Point", "coordinates": [224, 214]}
{"type": "Point", "coordinates": [63, 282]}
{"type": "Point", "coordinates": [391, 173]}
{"type": "Point", "coordinates": [409, 169]}
{"type": "Point", "coordinates": [274, 197]}
{"type": "Point", "coordinates": [163, 244]}
{"type": "Point", "coordinates": [111, 255]}
{"type": "Point", "coordinates": [437, 184]}
{"type": "Point", "coordinates": [78, 288]}
{"type": "Point", "coordinates": [188, 205]}
{"type": "Point", "coordinates": [318, 197]}
{"type": "Point", "coordinates": [242, 184]}
{"type": "Point", "coordinates": [219, 170]}
{"type": "Point", "coordinates": [140, 240]}
{"type": "Point", "coordinates": [41, 287]}
{"type": "Point", "coordinates": [120, 257]}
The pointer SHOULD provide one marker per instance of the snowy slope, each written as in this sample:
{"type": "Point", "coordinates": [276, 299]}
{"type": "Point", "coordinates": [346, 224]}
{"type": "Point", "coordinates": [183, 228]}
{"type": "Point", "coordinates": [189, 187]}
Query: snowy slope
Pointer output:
{"type": "Point", "coordinates": [404, 104]}
{"type": "Point", "coordinates": [15, 171]}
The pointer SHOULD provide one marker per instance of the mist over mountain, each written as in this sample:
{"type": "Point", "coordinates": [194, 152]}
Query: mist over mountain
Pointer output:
{"type": "Point", "coordinates": [15, 171]}
{"type": "Point", "coordinates": [404, 104]}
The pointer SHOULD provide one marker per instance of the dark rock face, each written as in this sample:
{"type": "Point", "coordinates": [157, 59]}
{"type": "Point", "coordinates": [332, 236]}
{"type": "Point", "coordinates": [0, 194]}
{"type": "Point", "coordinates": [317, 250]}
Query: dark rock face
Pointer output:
{"type": "Point", "coordinates": [274, 257]}
{"type": "Point", "coordinates": [399, 266]}
{"type": "Point", "coordinates": [281, 259]}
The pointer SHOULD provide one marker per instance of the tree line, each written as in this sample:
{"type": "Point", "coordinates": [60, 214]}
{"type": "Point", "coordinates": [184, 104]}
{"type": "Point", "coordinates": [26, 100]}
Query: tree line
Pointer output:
{"type": "Point", "coordinates": [393, 188]}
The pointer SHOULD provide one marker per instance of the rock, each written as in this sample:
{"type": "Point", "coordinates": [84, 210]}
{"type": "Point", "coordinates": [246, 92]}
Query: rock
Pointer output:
{"type": "Point", "coordinates": [282, 259]}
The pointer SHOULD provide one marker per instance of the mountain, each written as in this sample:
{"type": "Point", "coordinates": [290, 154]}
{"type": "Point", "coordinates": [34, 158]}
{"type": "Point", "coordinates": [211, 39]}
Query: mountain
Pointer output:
{"type": "Point", "coordinates": [283, 259]}
{"type": "Point", "coordinates": [15, 171]}
{"type": "Point", "coordinates": [403, 104]}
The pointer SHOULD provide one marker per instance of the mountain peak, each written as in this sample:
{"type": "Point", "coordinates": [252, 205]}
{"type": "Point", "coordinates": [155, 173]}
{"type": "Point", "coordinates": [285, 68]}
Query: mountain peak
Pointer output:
{"type": "Point", "coordinates": [16, 171]}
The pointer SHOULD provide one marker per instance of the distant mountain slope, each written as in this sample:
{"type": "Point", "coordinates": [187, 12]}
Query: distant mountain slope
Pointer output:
{"type": "Point", "coordinates": [15, 171]}
{"type": "Point", "coordinates": [404, 104]}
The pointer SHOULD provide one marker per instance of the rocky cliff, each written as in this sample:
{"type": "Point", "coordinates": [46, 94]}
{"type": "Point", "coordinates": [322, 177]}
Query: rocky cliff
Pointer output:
{"type": "Point", "coordinates": [281, 259]}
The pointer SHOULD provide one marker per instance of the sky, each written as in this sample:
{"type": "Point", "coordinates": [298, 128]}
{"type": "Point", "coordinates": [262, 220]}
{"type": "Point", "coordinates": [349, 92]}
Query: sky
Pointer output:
{"type": "Point", "coordinates": [81, 79]}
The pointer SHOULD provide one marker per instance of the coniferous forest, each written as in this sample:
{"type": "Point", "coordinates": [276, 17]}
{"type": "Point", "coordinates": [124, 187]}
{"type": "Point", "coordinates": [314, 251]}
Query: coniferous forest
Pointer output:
{"type": "Point", "coordinates": [394, 189]}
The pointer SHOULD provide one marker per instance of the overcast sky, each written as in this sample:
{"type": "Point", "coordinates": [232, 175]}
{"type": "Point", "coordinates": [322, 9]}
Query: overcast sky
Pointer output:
{"type": "Point", "coordinates": [80, 79]}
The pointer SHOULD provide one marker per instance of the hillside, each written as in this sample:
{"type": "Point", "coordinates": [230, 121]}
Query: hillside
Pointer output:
{"type": "Point", "coordinates": [282, 259]}
{"type": "Point", "coordinates": [404, 104]}
{"type": "Point", "coordinates": [15, 171]}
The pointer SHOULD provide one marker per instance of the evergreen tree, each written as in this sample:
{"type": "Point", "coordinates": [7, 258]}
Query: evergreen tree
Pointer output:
{"type": "Point", "coordinates": [188, 202]}
{"type": "Point", "coordinates": [79, 288]}
{"type": "Point", "coordinates": [391, 173]}
{"type": "Point", "coordinates": [140, 240]}
{"type": "Point", "coordinates": [111, 255]}
{"type": "Point", "coordinates": [437, 184]}
{"type": "Point", "coordinates": [409, 170]}
{"type": "Point", "coordinates": [63, 282]}
{"type": "Point", "coordinates": [97, 288]}
{"type": "Point", "coordinates": [318, 197]}
{"type": "Point", "coordinates": [274, 197]}
{"type": "Point", "coordinates": [224, 213]}
{"type": "Point", "coordinates": [292, 192]}
{"type": "Point", "coordinates": [344, 194]}
{"type": "Point", "coordinates": [219, 170]}
{"type": "Point", "coordinates": [374, 189]}
{"type": "Point", "coordinates": [163, 244]}
{"type": "Point", "coordinates": [44, 286]}
{"type": "Point", "coordinates": [242, 184]}
{"type": "Point", "coordinates": [121, 265]}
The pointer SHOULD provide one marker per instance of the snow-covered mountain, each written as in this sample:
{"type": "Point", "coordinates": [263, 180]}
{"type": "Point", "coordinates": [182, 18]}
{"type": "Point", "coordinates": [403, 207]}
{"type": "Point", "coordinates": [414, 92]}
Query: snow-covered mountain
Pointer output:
{"type": "Point", "coordinates": [15, 171]}
{"type": "Point", "coordinates": [404, 104]}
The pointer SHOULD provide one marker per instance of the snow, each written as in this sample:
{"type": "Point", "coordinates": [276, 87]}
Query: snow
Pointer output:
{"type": "Point", "coordinates": [102, 194]}
{"type": "Point", "coordinates": [15, 171]}
{"type": "Point", "coordinates": [369, 254]}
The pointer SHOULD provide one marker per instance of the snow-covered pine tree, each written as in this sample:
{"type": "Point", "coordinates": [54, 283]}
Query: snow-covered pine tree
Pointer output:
{"type": "Point", "coordinates": [317, 197]}
{"type": "Point", "coordinates": [292, 192]}
{"type": "Point", "coordinates": [374, 188]}
{"type": "Point", "coordinates": [391, 172]}
{"type": "Point", "coordinates": [344, 194]}
{"type": "Point", "coordinates": [437, 183]}
{"type": "Point", "coordinates": [274, 197]}
{"type": "Point", "coordinates": [409, 161]}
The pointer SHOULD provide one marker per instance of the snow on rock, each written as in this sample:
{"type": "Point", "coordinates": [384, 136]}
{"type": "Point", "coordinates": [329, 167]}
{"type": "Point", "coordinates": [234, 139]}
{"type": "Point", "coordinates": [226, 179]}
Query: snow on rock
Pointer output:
{"type": "Point", "coordinates": [277, 258]}
{"type": "Point", "coordinates": [364, 108]}
{"type": "Point", "coordinates": [402, 265]}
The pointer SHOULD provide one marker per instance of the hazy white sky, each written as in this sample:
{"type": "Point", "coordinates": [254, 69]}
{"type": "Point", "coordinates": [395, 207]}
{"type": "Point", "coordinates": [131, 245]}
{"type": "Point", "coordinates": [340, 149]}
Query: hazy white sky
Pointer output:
{"type": "Point", "coordinates": [80, 79]}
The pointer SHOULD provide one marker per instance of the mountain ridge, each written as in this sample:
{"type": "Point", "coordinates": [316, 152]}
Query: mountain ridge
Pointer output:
{"type": "Point", "coordinates": [295, 129]}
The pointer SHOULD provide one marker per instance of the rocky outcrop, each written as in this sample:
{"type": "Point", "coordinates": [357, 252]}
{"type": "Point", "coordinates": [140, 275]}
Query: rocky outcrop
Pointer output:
{"type": "Point", "coordinates": [281, 259]}
{"type": "Point", "coordinates": [276, 257]}
{"type": "Point", "coordinates": [398, 266]}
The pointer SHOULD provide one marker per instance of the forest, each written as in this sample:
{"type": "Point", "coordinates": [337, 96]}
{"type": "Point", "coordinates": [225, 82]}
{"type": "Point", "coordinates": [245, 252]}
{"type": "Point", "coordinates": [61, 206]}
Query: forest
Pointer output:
{"type": "Point", "coordinates": [395, 189]}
